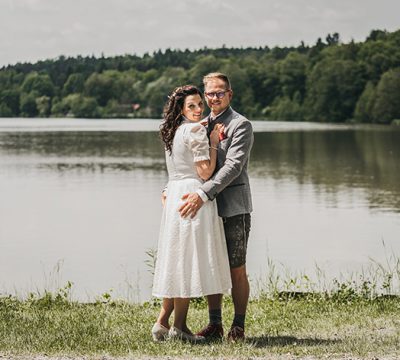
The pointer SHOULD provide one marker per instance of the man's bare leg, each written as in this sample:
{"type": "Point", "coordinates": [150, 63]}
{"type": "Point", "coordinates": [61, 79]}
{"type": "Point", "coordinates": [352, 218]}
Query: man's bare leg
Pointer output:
{"type": "Point", "coordinates": [240, 296]}
{"type": "Point", "coordinates": [214, 301]}
{"type": "Point", "coordinates": [240, 289]}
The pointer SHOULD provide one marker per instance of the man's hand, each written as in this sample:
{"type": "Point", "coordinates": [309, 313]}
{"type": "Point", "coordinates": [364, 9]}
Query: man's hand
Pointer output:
{"type": "Point", "coordinates": [192, 204]}
{"type": "Point", "coordinates": [163, 198]}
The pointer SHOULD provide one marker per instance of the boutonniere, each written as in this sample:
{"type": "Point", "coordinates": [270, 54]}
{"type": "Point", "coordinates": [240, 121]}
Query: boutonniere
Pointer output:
{"type": "Point", "coordinates": [222, 136]}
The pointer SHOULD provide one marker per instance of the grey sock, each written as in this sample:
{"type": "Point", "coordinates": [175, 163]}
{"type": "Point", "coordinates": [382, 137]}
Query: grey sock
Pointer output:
{"type": "Point", "coordinates": [215, 316]}
{"type": "Point", "coordinates": [239, 320]}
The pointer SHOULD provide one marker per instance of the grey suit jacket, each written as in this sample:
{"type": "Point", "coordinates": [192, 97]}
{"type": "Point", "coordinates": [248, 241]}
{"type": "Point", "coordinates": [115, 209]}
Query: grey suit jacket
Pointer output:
{"type": "Point", "coordinates": [230, 183]}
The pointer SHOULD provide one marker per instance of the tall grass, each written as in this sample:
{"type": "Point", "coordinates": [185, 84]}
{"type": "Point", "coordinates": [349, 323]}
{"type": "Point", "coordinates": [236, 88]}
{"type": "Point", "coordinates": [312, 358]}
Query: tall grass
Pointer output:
{"type": "Point", "coordinates": [289, 313]}
{"type": "Point", "coordinates": [373, 280]}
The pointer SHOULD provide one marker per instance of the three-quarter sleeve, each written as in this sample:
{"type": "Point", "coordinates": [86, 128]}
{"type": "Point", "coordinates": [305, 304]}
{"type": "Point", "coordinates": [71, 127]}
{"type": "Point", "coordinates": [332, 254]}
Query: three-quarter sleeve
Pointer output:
{"type": "Point", "coordinates": [198, 143]}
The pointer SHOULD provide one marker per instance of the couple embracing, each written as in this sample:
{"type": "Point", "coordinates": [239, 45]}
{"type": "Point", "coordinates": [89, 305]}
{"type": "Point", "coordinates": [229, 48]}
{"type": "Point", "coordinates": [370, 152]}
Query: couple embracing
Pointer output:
{"type": "Point", "coordinates": [203, 243]}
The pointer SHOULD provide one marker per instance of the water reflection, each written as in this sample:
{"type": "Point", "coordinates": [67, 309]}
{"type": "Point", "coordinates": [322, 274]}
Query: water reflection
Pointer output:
{"type": "Point", "coordinates": [330, 160]}
{"type": "Point", "coordinates": [334, 161]}
{"type": "Point", "coordinates": [82, 144]}
{"type": "Point", "coordinates": [326, 195]}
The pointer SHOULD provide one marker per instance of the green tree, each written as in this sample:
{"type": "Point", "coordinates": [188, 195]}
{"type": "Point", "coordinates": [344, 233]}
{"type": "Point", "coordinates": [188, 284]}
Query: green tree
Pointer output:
{"type": "Point", "coordinates": [157, 91]}
{"type": "Point", "coordinates": [292, 74]}
{"type": "Point", "coordinates": [271, 86]}
{"type": "Point", "coordinates": [28, 105]}
{"type": "Point", "coordinates": [387, 103]}
{"type": "Point", "coordinates": [74, 84]}
{"type": "Point", "coordinates": [85, 107]}
{"type": "Point", "coordinates": [379, 56]}
{"type": "Point", "coordinates": [323, 82]}
{"type": "Point", "coordinates": [99, 87]}
{"type": "Point", "coordinates": [62, 107]}
{"type": "Point", "coordinates": [57, 109]}
{"type": "Point", "coordinates": [5, 111]}
{"type": "Point", "coordinates": [286, 109]}
{"type": "Point", "coordinates": [243, 100]}
{"type": "Point", "coordinates": [333, 39]}
{"type": "Point", "coordinates": [365, 104]}
{"type": "Point", "coordinates": [376, 35]}
{"type": "Point", "coordinates": [202, 66]}
{"type": "Point", "coordinates": [10, 100]}
{"type": "Point", "coordinates": [333, 88]}
{"type": "Point", "coordinates": [125, 90]}
{"type": "Point", "coordinates": [43, 105]}
{"type": "Point", "coordinates": [41, 84]}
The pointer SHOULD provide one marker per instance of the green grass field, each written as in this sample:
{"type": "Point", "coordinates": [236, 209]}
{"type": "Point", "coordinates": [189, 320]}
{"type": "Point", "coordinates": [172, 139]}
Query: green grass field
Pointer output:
{"type": "Point", "coordinates": [288, 317]}
{"type": "Point", "coordinates": [342, 324]}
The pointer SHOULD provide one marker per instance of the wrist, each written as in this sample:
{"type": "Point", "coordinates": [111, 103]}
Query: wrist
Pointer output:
{"type": "Point", "coordinates": [203, 196]}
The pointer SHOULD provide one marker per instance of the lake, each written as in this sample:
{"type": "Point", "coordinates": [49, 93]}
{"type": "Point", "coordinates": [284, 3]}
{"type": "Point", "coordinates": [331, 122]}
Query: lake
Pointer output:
{"type": "Point", "coordinates": [80, 202]}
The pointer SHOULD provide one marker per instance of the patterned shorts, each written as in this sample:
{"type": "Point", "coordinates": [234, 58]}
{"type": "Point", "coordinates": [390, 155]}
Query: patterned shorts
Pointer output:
{"type": "Point", "coordinates": [237, 229]}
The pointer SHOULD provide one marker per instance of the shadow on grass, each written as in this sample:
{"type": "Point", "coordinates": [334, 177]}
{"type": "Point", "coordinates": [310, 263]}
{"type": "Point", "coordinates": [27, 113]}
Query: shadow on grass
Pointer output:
{"type": "Point", "coordinates": [265, 341]}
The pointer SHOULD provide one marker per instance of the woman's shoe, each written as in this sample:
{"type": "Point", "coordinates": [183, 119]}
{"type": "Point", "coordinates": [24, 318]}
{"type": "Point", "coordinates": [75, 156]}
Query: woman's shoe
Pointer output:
{"type": "Point", "coordinates": [175, 333]}
{"type": "Point", "coordinates": [159, 332]}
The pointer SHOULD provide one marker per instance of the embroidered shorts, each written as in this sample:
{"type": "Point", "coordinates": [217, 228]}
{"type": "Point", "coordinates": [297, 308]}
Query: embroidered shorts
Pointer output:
{"type": "Point", "coordinates": [237, 229]}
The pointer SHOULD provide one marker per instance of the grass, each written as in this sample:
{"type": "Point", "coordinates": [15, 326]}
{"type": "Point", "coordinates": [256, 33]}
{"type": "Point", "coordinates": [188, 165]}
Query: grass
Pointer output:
{"type": "Point", "coordinates": [340, 324]}
{"type": "Point", "coordinates": [289, 317]}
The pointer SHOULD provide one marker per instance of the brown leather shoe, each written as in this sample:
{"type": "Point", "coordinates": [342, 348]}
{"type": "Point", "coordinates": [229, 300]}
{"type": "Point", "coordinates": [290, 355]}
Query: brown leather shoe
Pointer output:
{"type": "Point", "coordinates": [236, 333]}
{"type": "Point", "coordinates": [212, 331]}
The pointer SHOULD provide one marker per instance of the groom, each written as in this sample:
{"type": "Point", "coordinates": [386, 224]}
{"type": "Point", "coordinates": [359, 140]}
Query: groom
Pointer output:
{"type": "Point", "coordinates": [230, 186]}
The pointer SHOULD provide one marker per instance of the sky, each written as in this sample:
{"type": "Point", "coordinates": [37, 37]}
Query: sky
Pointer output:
{"type": "Point", "coordinates": [32, 30]}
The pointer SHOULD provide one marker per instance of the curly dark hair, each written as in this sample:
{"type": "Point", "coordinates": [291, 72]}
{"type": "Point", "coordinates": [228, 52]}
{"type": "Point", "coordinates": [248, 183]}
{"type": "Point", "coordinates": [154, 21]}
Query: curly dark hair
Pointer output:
{"type": "Point", "coordinates": [173, 113]}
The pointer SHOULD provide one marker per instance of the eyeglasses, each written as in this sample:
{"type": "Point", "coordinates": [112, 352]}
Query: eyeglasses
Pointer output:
{"type": "Point", "coordinates": [218, 94]}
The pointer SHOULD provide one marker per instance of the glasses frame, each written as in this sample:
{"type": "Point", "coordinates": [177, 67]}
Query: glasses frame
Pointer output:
{"type": "Point", "coordinates": [218, 94]}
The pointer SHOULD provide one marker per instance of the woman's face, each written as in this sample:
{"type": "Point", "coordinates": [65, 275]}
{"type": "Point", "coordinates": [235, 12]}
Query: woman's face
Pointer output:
{"type": "Point", "coordinates": [193, 107]}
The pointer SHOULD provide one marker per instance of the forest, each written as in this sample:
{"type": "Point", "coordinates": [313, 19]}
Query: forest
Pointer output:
{"type": "Point", "coordinates": [330, 81]}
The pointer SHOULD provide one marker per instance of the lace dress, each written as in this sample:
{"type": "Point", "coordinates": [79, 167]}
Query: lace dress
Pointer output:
{"type": "Point", "coordinates": [192, 258]}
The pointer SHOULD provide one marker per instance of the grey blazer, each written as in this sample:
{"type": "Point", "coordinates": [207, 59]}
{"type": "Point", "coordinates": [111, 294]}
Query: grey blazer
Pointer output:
{"type": "Point", "coordinates": [230, 183]}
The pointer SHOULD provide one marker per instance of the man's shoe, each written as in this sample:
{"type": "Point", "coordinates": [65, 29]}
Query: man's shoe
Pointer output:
{"type": "Point", "coordinates": [212, 331]}
{"type": "Point", "coordinates": [236, 333]}
{"type": "Point", "coordinates": [159, 332]}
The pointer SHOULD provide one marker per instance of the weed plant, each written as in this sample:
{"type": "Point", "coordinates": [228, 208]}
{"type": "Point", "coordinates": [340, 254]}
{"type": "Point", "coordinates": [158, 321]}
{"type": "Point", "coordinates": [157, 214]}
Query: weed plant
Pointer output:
{"type": "Point", "coordinates": [355, 317]}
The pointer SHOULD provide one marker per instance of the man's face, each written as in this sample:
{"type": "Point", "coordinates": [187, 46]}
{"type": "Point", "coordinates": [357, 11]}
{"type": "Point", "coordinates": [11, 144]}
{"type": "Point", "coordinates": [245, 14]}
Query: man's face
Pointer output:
{"type": "Point", "coordinates": [213, 91]}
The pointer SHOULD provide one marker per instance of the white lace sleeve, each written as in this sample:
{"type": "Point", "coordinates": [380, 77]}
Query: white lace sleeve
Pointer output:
{"type": "Point", "coordinates": [198, 143]}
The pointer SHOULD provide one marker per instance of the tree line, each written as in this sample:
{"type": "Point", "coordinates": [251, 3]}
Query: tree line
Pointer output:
{"type": "Point", "coordinates": [329, 81]}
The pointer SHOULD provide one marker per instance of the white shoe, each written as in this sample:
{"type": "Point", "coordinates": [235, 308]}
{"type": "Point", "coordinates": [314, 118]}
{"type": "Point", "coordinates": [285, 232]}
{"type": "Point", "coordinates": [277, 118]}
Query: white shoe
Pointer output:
{"type": "Point", "coordinates": [175, 333]}
{"type": "Point", "coordinates": [159, 332]}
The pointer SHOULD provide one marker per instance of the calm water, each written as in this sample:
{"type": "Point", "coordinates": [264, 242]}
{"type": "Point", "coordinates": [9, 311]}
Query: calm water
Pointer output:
{"type": "Point", "coordinates": [80, 201]}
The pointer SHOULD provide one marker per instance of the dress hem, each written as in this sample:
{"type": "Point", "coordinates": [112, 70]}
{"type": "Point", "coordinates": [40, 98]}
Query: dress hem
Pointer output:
{"type": "Point", "coordinates": [224, 292]}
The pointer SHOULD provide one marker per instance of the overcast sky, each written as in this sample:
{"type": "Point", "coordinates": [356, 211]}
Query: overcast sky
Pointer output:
{"type": "Point", "coordinates": [32, 30]}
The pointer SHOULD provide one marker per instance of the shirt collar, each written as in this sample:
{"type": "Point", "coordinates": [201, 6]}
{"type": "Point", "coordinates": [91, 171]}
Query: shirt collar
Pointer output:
{"type": "Point", "coordinates": [219, 115]}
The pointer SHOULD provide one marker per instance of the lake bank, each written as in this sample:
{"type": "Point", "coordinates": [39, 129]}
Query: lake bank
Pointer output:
{"type": "Point", "coordinates": [343, 324]}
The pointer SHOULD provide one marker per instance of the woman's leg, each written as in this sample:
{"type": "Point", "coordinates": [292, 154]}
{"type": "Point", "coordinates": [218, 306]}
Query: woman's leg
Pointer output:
{"type": "Point", "coordinates": [181, 307]}
{"type": "Point", "coordinates": [166, 310]}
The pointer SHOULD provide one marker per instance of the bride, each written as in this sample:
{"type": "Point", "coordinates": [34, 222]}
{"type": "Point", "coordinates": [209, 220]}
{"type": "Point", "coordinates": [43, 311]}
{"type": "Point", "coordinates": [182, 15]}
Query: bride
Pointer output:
{"type": "Point", "coordinates": [192, 259]}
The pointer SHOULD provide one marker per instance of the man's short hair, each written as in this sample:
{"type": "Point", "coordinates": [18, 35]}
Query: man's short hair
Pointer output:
{"type": "Point", "coordinates": [217, 75]}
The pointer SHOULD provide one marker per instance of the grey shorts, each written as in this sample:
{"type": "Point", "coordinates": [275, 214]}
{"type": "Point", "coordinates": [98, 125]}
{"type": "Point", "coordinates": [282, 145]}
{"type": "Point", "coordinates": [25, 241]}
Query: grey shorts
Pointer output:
{"type": "Point", "coordinates": [237, 229]}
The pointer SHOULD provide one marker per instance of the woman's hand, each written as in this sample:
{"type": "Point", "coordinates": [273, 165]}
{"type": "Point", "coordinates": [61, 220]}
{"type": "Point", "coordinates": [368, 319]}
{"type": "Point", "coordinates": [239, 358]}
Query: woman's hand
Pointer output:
{"type": "Point", "coordinates": [214, 136]}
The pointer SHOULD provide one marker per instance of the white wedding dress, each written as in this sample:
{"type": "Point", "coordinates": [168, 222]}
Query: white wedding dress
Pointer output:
{"type": "Point", "coordinates": [192, 258]}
